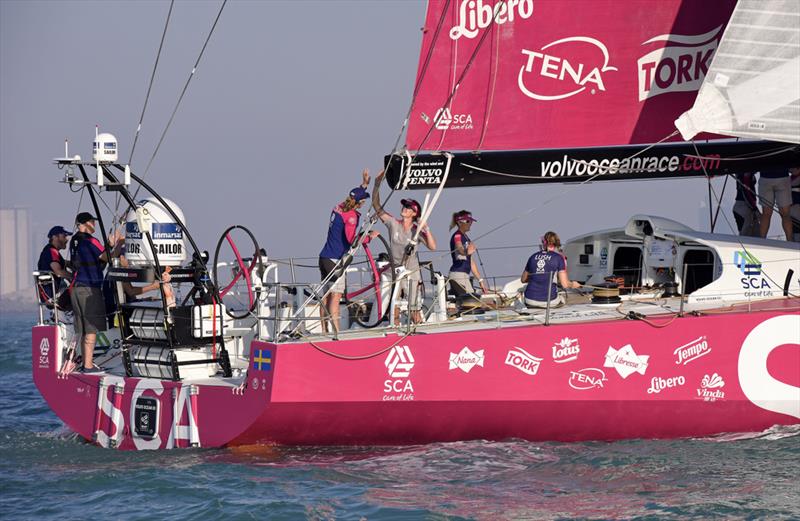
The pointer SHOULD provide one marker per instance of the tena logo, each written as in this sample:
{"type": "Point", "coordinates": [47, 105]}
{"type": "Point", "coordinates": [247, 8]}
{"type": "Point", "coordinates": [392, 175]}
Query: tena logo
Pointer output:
{"type": "Point", "coordinates": [555, 75]}
{"type": "Point", "coordinates": [710, 386]}
{"type": "Point", "coordinates": [626, 361]}
{"type": "Point", "coordinates": [691, 351]}
{"type": "Point", "coordinates": [44, 351]}
{"type": "Point", "coordinates": [474, 15]}
{"type": "Point", "coordinates": [566, 350]}
{"type": "Point", "coordinates": [399, 363]}
{"type": "Point", "coordinates": [446, 120]}
{"type": "Point", "coordinates": [522, 360]}
{"type": "Point", "coordinates": [679, 66]}
{"type": "Point", "coordinates": [587, 378]}
{"type": "Point", "coordinates": [466, 359]}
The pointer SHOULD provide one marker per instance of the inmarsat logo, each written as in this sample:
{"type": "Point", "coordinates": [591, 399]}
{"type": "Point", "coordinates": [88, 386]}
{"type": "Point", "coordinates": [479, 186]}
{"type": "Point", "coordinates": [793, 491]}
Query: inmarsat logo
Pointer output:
{"type": "Point", "coordinates": [44, 351]}
{"type": "Point", "coordinates": [679, 66]}
{"type": "Point", "coordinates": [446, 120]}
{"type": "Point", "coordinates": [399, 363]}
{"type": "Point", "coordinates": [561, 72]}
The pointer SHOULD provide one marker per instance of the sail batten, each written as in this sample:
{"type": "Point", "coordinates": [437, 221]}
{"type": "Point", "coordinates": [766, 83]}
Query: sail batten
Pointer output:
{"type": "Point", "coordinates": [753, 85]}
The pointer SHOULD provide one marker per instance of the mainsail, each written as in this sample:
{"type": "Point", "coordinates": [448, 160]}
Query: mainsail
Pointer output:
{"type": "Point", "coordinates": [524, 91]}
{"type": "Point", "coordinates": [753, 87]}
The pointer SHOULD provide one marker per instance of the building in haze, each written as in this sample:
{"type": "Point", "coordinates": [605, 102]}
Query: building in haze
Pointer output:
{"type": "Point", "coordinates": [16, 262]}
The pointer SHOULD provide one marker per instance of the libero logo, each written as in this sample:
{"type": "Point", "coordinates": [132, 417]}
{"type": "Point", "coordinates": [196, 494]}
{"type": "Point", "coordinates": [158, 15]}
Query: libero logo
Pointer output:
{"type": "Point", "coordinates": [476, 15]}
{"type": "Point", "coordinates": [679, 66]}
{"type": "Point", "coordinates": [446, 120]}
{"type": "Point", "coordinates": [570, 167]}
{"type": "Point", "coordinates": [564, 68]}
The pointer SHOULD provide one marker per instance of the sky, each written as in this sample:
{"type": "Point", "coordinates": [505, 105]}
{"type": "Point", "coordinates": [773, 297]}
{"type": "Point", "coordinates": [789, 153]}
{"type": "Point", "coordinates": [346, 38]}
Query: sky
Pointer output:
{"type": "Point", "coordinates": [292, 99]}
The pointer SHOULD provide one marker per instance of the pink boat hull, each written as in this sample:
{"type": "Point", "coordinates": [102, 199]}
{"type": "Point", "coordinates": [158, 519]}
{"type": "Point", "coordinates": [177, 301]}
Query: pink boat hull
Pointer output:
{"type": "Point", "coordinates": [725, 372]}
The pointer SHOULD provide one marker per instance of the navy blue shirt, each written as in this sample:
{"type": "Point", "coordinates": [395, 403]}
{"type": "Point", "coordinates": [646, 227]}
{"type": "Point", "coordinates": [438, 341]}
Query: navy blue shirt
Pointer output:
{"type": "Point", "coordinates": [341, 233]}
{"type": "Point", "coordinates": [462, 263]}
{"type": "Point", "coordinates": [49, 255]}
{"type": "Point", "coordinates": [775, 174]}
{"type": "Point", "coordinates": [540, 267]}
{"type": "Point", "coordinates": [85, 252]}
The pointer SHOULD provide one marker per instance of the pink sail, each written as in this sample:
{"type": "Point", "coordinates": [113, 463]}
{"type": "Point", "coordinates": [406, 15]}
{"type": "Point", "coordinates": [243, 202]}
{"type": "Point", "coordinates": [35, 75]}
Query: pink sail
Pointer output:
{"type": "Point", "coordinates": [549, 74]}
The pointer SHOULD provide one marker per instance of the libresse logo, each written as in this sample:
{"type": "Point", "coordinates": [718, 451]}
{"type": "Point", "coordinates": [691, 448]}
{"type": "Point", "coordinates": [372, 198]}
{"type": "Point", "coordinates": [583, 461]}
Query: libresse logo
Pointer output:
{"type": "Point", "coordinates": [564, 68]}
{"type": "Point", "coordinates": [476, 15]}
{"type": "Point", "coordinates": [626, 361]}
{"type": "Point", "coordinates": [679, 66]}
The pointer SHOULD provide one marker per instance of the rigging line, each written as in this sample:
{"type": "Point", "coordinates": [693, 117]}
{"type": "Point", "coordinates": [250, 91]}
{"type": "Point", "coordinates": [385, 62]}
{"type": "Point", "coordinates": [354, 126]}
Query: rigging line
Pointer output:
{"type": "Point", "coordinates": [744, 248]}
{"type": "Point", "coordinates": [146, 99]}
{"type": "Point", "coordinates": [719, 206]}
{"type": "Point", "coordinates": [487, 109]}
{"type": "Point", "coordinates": [743, 157]}
{"type": "Point", "coordinates": [360, 357]}
{"type": "Point", "coordinates": [183, 92]}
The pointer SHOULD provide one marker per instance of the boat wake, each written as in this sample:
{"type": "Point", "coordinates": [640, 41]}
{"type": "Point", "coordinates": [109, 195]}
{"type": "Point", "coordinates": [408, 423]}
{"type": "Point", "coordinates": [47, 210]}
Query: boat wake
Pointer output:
{"type": "Point", "coordinates": [776, 432]}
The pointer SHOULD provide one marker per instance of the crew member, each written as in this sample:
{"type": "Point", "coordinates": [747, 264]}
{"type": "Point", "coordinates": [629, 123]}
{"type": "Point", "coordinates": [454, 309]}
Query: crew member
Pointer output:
{"type": "Point", "coordinates": [794, 212]}
{"type": "Point", "coordinates": [775, 188]}
{"type": "Point", "coordinates": [745, 209]}
{"type": "Point", "coordinates": [50, 260]}
{"type": "Point", "coordinates": [88, 258]}
{"type": "Point", "coordinates": [461, 250]}
{"type": "Point", "coordinates": [401, 234]}
{"type": "Point", "coordinates": [342, 229]}
{"type": "Point", "coordinates": [539, 273]}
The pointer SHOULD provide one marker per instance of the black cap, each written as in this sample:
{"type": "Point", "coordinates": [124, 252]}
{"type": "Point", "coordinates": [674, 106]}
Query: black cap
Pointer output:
{"type": "Point", "coordinates": [58, 230]}
{"type": "Point", "coordinates": [84, 217]}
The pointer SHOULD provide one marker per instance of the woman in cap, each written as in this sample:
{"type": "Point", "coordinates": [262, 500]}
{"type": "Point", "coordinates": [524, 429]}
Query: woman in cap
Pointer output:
{"type": "Point", "coordinates": [539, 272]}
{"type": "Point", "coordinates": [401, 233]}
{"type": "Point", "coordinates": [461, 250]}
{"type": "Point", "coordinates": [342, 229]}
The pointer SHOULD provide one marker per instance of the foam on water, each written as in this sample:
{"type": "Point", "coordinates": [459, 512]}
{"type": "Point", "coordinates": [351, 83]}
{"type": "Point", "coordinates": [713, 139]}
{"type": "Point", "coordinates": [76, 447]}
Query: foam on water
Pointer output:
{"type": "Point", "coordinates": [47, 472]}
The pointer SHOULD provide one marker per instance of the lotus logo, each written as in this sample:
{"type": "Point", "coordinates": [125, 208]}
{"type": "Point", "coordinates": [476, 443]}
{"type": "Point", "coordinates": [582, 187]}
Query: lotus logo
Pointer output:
{"type": "Point", "coordinates": [399, 362]}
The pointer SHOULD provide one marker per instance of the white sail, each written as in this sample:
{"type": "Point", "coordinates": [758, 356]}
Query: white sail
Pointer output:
{"type": "Point", "coordinates": [752, 88]}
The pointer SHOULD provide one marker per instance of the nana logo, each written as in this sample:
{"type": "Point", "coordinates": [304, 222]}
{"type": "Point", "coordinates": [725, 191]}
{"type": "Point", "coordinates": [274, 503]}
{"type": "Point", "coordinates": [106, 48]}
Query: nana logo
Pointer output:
{"type": "Point", "coordinates": [474, 15]}
{"type": "Point", "coordinates": [679, 66]}
{"type": "Point", "coordinates": [565, 69]}
{"type": "Point", "coordinates": [522, 360]}
{"type": "Point", "coordinates": [446, 120]}
{"type": "Point", "coordinates": [399, 363]}
{"type": "Point", "coordinates": [44, 351]}
{"type": "Point", "coordinates": [588, 378]}
{"type": "Point", "coordinates": [466, 359]}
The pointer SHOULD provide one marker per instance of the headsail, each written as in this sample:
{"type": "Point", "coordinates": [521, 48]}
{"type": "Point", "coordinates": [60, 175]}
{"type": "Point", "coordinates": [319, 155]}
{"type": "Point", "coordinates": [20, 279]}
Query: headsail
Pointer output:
{"type": "Point", "coordinates": [753, 86]}
{"type": "Point", "coordinates": [526, 91]}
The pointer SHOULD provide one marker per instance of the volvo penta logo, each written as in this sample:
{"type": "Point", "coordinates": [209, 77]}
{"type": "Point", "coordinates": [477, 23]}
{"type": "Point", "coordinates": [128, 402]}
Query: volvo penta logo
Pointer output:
{"type": "Point", "coordinates": [558, 74]}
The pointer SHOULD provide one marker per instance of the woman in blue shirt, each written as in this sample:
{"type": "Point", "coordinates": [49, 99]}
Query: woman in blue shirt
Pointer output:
{"type": "Point", "coordinates": [539, 274]}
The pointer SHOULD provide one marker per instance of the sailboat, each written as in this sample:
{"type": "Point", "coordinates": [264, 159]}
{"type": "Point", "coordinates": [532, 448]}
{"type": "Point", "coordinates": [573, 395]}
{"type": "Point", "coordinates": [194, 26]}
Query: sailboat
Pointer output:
{"type": "Point", "coordinates": [703, 338]}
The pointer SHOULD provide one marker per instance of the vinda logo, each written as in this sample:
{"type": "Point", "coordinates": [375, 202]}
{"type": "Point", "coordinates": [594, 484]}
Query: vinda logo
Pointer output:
{"type": "Point", "coordinates": [564, 68]}
{"type": "Point", "coordinates": [679, 66]}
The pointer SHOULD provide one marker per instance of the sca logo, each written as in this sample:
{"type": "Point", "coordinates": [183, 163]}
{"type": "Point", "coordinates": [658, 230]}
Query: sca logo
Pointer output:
{"type": "Point", "coordinates": [564, 68]}
{"type": "Point", "coordinates": [399, 363]}
{"type": "Point", "coordinates": [446, 120]}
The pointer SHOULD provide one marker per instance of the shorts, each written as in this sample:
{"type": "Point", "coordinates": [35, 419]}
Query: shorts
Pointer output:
{"type": "Point", "coordinates": [554, 303]}
{"type": "Point", "coordinates": [89, 309]}
{"type": "Point", "coordinates": [771, 191]}
{"type": "Point", "coordinates": [463, 282]}
{"type": "Point", "coordinates": [409, 287]}
{"type": "Point", "coordinates": [334, 285]}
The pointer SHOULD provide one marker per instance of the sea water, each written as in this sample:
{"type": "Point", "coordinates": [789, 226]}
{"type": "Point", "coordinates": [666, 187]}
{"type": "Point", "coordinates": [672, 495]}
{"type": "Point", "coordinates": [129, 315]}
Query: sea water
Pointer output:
{"type": "Point", "coordinates": [46, 472]}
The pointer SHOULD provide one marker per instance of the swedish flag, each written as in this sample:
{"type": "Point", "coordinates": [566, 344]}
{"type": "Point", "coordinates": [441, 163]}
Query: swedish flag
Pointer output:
{"type": "Point", "coordinates": [262, 359]}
